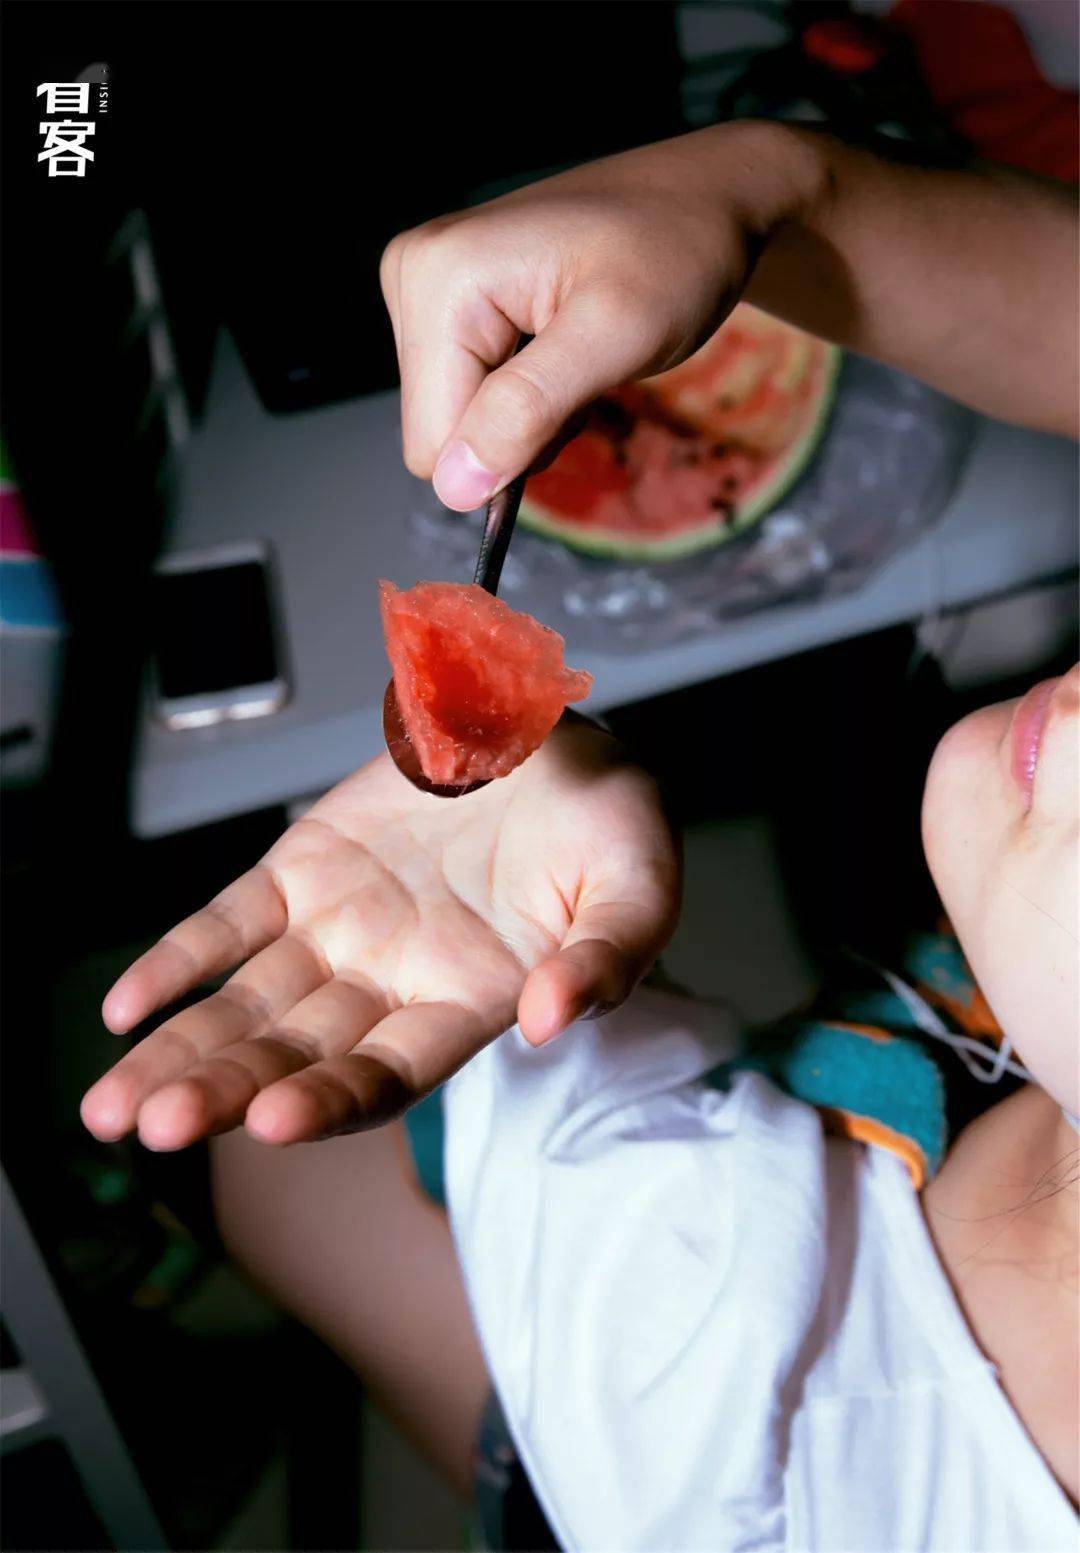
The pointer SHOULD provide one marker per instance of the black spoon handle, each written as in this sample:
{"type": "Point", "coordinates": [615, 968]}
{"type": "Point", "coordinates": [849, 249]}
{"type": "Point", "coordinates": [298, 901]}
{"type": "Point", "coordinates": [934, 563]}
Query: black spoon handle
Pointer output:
{"type": "Point", "coordinates": [499, 526]}
{"type": "Point", "coordinates": [502, 511]}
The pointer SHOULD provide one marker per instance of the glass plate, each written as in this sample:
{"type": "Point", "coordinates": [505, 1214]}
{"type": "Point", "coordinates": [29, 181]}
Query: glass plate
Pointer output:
{"type": "Point", "coordinates": [888, 462]}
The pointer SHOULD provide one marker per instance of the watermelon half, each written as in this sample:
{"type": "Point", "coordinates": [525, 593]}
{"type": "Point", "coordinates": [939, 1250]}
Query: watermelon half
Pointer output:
{"type": "Point", "coordinates": [684, 461]}
{"type": "Point", "coordinates": [479, 686]}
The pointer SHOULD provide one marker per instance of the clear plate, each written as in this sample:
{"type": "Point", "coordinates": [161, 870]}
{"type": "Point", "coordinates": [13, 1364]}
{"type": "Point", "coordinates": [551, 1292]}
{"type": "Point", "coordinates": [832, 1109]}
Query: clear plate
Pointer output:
{"type": "Point", "coordinates": [888, 462]}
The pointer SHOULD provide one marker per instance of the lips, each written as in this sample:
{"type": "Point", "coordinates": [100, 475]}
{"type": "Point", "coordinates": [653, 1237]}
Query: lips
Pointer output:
{"type": "Point", "coordinates": [1028, 724]}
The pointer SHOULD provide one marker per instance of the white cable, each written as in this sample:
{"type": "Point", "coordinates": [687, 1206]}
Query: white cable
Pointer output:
{"type": "Point", "coordinates": [965, 1046]}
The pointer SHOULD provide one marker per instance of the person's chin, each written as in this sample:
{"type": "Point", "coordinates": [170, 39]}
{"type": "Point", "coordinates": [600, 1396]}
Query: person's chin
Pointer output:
{"type": "Point", "coordinates": [965, 809]}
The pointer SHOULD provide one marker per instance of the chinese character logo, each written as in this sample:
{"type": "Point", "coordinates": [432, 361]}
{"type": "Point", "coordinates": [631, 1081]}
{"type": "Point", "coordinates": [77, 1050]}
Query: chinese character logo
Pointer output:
{"type": "Point", "coordinates": [64, 151]}
{"type": "Point", "coordinates": [66, 96]}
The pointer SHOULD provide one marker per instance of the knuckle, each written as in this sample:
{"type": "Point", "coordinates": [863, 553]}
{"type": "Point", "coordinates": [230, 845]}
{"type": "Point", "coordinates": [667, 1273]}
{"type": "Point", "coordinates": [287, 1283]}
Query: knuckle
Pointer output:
{"type": "Point", "coordinates": [633, 314]}
{"type": "Point", "coordinates": [416, 450]}
{"type": "Point", "coordinates": [518, 405]}
{"type": "Point", "coordinates": [429, 246]}
{"type": "Point", "coordinates": [405, 248]}
{"type": "Point", "coordinates": [417, 461]}
{"type": "Point", "coordinates": [390, 263]}
{"type": "Point", "coordinates": [616, 306]}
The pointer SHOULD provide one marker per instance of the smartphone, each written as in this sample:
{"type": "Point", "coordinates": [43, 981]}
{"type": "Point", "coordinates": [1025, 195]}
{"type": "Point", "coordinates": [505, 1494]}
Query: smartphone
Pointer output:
{"type": "Point", "coordinates": [216, 645]}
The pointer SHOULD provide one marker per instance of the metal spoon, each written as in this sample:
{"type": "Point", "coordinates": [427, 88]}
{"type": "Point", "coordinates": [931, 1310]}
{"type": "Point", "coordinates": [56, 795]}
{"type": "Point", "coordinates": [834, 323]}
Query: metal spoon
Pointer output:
{"type": "Point", "coordinates": [502, 511]}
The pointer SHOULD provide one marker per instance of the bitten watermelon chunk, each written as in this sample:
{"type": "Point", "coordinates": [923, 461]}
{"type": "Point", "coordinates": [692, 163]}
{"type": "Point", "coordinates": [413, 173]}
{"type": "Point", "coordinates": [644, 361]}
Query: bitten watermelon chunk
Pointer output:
{"type": "Point", "coordinates": [478, 684]}
{"type": "Point", "coordinates": [683, 461]}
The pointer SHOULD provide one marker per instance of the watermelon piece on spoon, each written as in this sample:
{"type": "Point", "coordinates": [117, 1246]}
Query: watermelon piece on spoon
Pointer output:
{"type": "Point", "coordinates": [479, 686]}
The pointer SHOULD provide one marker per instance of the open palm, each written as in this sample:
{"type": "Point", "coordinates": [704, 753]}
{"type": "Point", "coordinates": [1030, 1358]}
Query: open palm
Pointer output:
{"type": "Point", "coordinates": [386, 938]}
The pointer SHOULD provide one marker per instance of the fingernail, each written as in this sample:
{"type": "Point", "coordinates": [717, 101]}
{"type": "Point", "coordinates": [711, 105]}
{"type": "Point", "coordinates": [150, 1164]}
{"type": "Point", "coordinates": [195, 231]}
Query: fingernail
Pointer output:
{"type": "Point", "coordinates": [460, 479]}
{"type": "Point", "coordinates": [597, 1010]}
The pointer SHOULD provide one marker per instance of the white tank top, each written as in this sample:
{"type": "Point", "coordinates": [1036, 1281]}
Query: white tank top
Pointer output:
{"type": "Point", "coordinates": [712, 1327]}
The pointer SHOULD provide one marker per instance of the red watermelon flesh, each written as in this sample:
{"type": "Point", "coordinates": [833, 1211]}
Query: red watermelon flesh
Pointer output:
{"type": "Point", "coordinates": [679, 462]}
{"type": "Point", "coordinates": [478, 684]}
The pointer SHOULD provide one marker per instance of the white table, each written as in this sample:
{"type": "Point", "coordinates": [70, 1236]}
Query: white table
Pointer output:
{"type": "Point", "coordinates": [328, 489]}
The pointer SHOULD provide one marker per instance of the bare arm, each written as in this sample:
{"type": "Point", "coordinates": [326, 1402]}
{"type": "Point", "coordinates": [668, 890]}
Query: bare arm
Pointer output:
{"type": "Point", "coordinates": [966, 279]}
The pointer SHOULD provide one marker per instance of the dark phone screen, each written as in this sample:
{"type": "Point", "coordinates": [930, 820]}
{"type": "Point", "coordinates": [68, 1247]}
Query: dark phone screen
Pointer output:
{"type": "Point", "coordinates": [213, 629]}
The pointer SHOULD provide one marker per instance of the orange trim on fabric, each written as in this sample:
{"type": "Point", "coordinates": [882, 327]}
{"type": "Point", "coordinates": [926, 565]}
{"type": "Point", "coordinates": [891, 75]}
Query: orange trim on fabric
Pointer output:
{"type": "Point", "coordinates": [866, 1129]}
{"type": "Point", "coordinates": [974, 1018]}
{"type": "Point", "coordinates": [873, 1032]}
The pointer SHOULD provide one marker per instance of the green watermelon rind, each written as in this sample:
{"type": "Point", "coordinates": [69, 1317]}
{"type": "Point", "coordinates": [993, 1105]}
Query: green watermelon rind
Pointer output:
{"type": "Point", "coordinates": [607, 544]}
